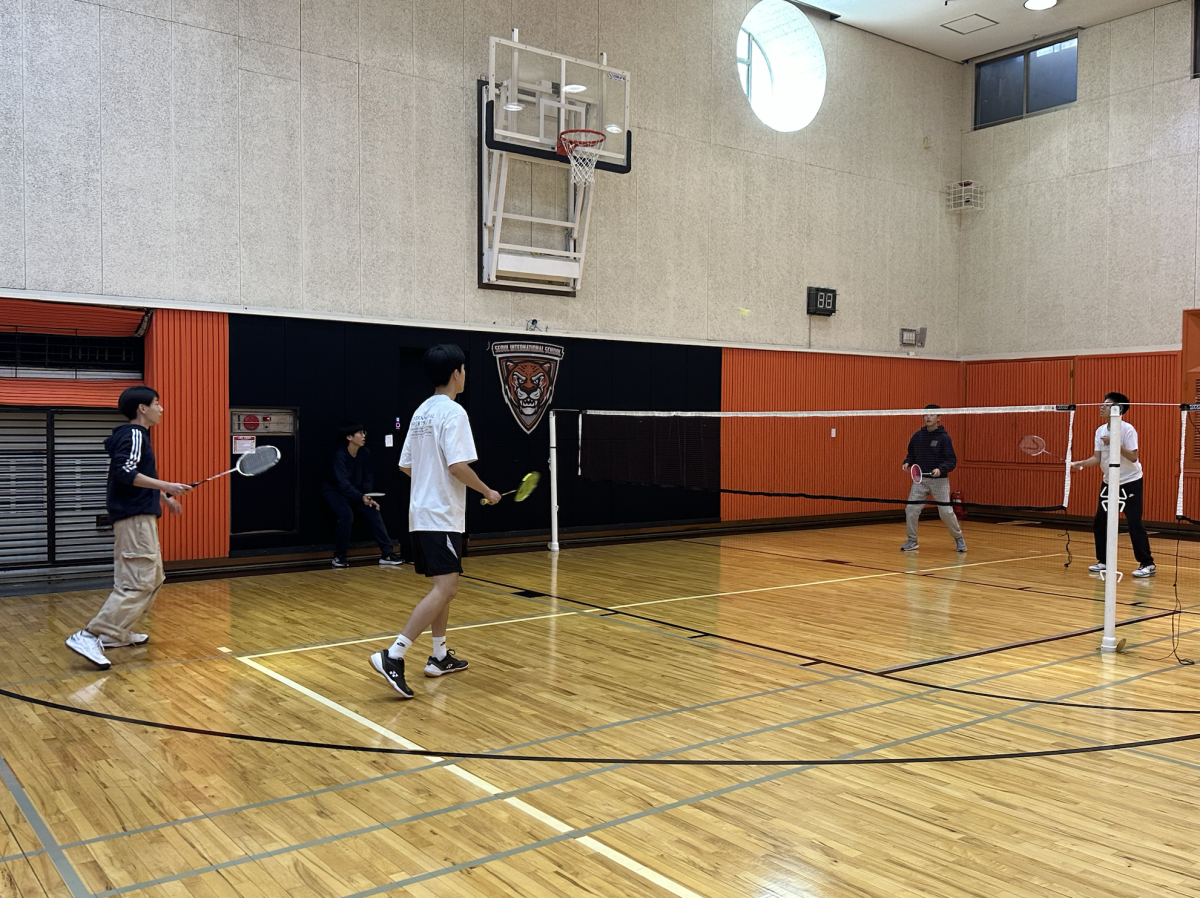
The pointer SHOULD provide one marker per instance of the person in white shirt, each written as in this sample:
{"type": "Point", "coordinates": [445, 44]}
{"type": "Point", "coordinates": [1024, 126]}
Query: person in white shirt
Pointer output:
{"type": "Point", "coordinates": [1130, 498]}
{"type": "Point", "coordinates": [437, 455]}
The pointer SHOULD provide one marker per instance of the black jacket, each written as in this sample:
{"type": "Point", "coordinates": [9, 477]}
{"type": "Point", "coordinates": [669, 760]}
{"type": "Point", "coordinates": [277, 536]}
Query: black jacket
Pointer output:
{"type": "Point", "coordinates": [350, 475]}
{"type": "Point", "coordinates": [130, 454]}
{"type": "Point", "coordinates": [931, 449]}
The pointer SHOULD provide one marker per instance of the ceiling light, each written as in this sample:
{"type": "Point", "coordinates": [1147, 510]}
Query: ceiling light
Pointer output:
{"type": "Point", "coordinates": [578, 88]}
{"type": "Point", "coordinates": [513, 107]}
{"type": "Point", "coordinates": [1040, 4]}
{"type": "Point", "coordinates": [613, 128]}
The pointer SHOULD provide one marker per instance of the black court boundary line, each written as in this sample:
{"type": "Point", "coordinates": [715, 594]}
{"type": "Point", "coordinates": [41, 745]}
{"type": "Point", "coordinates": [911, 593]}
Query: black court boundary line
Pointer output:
{"type": "Point", "coordinates": [885, 674]}
{"type": "Point", "coordinates": [660, 762]}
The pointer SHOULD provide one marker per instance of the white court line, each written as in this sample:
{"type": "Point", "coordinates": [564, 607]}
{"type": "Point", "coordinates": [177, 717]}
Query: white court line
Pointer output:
{"type": "Point", "coordinates": [553, 822]}
{"type": "Point", "coordinates": [738, 592]}
{"type": "Point", "coordinates": [331, 645]}
{"type": "Point", "coordinates": [709, 595]}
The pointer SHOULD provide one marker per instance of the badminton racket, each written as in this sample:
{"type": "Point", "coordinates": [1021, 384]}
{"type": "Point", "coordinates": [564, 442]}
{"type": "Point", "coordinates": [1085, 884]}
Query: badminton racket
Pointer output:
{"type": "Point", "coordinates": [1034, 446]}
{"type": "Point", "coordinates": [915, 472]}
{"type": "Point", "coordinates": [250, 464]}
{"type": "Point", "coordinates": [528, 484]}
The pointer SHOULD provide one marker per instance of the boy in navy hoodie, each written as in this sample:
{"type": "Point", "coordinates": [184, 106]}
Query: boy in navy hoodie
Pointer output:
{"type": "Point", "coordinates": [932, 451]}
{"type": "Point", "coordinates": [134, 508]}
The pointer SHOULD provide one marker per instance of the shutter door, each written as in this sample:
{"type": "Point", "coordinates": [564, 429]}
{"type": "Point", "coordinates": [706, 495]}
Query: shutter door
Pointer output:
{"type": "Point", "coordinates": [23, 535]}
{"type": "Point", "coordinates": [81, 528]}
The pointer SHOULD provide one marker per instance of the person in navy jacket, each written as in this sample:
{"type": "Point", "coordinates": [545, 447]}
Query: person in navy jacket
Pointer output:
{"type": "Point", "coordinates": [347, 482]}
{"type": "Point", "coordinates": [932, 450]}
{"type": "Point", "coordinates": [134, 499]}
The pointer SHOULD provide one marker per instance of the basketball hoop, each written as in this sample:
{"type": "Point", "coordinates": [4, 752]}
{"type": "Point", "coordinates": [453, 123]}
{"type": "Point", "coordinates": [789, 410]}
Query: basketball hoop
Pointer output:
{"type": "Point", "coordinates": [582, 147]}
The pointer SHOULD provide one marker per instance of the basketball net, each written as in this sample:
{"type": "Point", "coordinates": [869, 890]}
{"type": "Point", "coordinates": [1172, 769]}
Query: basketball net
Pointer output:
{"type": "Point", "coordinates": [582, 147]}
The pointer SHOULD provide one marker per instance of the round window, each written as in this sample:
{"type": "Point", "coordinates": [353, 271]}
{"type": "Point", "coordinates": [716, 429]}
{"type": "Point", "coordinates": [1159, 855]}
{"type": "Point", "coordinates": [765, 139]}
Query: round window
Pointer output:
{"type": "Point", "coordinates": [781, 65]}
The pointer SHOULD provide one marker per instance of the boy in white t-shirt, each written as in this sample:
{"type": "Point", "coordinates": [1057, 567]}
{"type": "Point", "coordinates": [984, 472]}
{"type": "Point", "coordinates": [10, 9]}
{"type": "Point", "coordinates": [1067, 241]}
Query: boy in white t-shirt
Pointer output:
{"type": "Point", "coordinates": [1130, 498]}
{"type": "Point", "coordinates": [437, 454]}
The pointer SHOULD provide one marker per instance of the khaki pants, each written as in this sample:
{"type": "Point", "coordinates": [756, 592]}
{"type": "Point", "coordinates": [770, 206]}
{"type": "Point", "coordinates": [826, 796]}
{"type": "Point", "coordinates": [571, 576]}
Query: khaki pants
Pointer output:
{"type": "Point", "coordinates": [137, 575]}
{"type": "Point", "coordinates": [939, 489]}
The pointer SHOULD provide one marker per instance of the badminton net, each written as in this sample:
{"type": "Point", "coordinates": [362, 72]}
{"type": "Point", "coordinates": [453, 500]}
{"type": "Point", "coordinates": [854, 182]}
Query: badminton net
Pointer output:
{"type": "Point", "coordinates": [810, 463]}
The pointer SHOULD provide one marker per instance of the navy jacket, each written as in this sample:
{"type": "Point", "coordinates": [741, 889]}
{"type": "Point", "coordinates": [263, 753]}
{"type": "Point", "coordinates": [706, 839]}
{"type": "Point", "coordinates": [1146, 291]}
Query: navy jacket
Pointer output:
{"type": "Point", "coordinates": [130, 454]}
{"type": "Point", "coordinates": [928, 450]}
{"type": "Point", "coordinates": [350, 475]}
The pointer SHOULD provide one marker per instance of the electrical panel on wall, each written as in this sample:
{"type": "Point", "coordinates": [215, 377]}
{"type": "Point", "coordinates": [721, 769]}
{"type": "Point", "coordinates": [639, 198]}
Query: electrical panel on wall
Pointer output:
{"type": "Point", "coordinates": [822, 301]}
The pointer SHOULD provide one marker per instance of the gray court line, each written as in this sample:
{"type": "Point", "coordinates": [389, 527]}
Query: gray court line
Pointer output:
{"type": "Point", "coordinates": [561, 736]}
{"type": "Point", "coordinates": [50, 845]}
{"type": "Point", "coordinates": [716, 793]}
{"type": "Point", "coordinates": [336, 837]}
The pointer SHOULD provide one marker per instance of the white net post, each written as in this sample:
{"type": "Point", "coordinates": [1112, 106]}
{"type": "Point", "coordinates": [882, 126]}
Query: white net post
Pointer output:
{"type": "Point", "coordinates": [1111, 572]}
{"type": "Point", "coordinates": [553, 545]}
{"type": "Point", "coordinates": [1070, 444]}
{"type": "Point", "coordinates": [1182, 460]}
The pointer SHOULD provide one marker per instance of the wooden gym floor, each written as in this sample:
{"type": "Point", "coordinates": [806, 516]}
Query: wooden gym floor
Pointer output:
{"type": "Point", "coordinates": [708, 648]}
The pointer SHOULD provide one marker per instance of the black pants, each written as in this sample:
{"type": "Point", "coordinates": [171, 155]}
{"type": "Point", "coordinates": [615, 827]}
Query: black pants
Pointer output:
{"type": "Point", "coordinates": [344, 510]}
{"type": "Point", "coordinates": [1130, 504]}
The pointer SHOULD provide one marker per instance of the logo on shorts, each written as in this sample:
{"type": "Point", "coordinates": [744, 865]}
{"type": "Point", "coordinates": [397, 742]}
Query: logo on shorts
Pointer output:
{"type": "Point", "coordinates": [527, 375]}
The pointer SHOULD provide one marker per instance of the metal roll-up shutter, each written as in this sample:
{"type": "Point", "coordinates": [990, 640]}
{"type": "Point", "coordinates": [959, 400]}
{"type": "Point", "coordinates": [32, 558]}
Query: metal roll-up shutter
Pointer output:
{"type": "Point", "coordinates": [82, 531]}
{"type": "Point", "coordinates": [23, 489]}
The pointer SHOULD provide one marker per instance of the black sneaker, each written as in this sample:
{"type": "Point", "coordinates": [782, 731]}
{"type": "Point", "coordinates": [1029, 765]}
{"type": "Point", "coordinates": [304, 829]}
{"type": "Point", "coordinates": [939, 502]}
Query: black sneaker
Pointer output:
{"type": "Point", "coordinates": [392, 558]}
{"type": "Point", "coordinates": [392, 671]}
{"type": "Point", "coordinates": [449, 664]}
{"type": "Point", "coordinates": [340, 562]}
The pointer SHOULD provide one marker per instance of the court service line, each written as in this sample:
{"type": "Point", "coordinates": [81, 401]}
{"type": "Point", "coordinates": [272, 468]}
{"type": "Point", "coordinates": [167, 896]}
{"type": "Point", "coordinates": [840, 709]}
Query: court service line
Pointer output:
{"type": "Point", "coordinates": [331, 645]}
{"type": "Point", "coordinates": [554, 823]}
{"type": "Point", "coordinates": [58, 857]}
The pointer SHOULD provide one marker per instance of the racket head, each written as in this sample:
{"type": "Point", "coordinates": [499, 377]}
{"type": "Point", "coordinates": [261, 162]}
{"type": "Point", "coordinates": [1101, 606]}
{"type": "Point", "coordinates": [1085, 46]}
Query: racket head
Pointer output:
{"type": "Point", "coordinates": [1032, 445]}
{"type": "Point", "coordinates": [528, 484]}
{"type": "Point", "coordinates": [914, 471]}
{"type": "Point", "coordinates": [263, 458]}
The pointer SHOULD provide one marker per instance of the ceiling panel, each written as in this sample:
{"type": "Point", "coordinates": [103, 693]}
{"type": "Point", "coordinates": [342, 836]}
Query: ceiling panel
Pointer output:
{"type": "Point", "coordinates": [919, 23]}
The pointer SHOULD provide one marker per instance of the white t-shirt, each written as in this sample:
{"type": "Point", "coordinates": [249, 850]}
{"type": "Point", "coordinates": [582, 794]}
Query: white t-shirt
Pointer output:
{"type": "Point", "coordinates": [438, 436]}
{"type": "Point", "coordinates": [1130, 470]}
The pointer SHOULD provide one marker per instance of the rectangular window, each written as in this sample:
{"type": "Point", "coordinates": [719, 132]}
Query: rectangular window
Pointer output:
{"type": "Point", "coordinates": [1012, 87]}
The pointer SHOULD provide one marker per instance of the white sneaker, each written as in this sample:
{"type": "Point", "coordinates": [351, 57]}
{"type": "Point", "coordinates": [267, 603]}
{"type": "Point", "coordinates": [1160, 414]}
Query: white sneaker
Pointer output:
{"type": "Point", "coordinates": [89, 646]}
{"type": "Point", "coordinates": [1145, 570]}
{"type": "Point", "coordinates": [108, 642]}
{"type": "Point", "coordinates": [1097, 568]}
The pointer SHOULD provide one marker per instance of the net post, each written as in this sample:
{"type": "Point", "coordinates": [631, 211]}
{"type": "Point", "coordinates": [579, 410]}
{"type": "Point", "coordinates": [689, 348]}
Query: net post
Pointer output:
{"type": "Point", "coordinates": [553, 544]}
{"type": "Point", "coordinates": [1111, 574]}
{"type": "Point", "coordinates": [1183, 413]}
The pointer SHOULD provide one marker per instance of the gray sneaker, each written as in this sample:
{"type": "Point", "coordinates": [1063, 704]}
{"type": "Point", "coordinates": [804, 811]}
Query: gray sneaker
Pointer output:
{"type": "Point", "coordinates": [84, 643]}
{"type": "Point", "coordinates": [909, 546]}
{"type": "Point", "coordinates": [135, 639]}
{"type": "Point", "coordinates": [960, 544]}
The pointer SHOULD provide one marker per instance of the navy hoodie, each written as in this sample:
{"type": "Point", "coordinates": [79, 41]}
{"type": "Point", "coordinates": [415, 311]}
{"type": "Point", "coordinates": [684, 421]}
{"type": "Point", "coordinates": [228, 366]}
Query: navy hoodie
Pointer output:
{"type": "Point", "coordinates": [130, 454]}
{"type": "Point", "coordinates": [931, 449]}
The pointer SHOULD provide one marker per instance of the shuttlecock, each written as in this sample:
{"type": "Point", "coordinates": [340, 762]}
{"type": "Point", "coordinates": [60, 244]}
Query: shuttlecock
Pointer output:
{"type": "Point", "coordinates": [745, 313]}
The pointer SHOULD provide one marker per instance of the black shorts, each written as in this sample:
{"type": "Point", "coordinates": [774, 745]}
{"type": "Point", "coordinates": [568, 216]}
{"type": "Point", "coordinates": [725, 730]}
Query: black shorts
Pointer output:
{"type": "Point", "coordinates": [436, 552]}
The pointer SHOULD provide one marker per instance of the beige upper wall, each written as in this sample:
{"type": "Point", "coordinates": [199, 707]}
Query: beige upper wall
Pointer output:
{"type": "Point", "coordinates": [1089, 238]}
{"type": "Point", "coordinates": [321, 156]}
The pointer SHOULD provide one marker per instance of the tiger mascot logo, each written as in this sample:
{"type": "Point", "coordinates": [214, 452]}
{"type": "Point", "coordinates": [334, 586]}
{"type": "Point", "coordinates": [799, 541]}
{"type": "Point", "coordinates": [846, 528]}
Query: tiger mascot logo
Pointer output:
{"type": "Point", "coordinates": [527, 375]}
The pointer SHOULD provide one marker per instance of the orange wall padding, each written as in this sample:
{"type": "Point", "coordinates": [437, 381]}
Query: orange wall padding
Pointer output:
{"type": "Point", "coordinates": [187, 362]}
{"type": "Point", "coordinates": [68, 318]}
{"type": "Point", "coordinates": [70, 393]}
{"type": "Point", "coordinates": [801, 455]}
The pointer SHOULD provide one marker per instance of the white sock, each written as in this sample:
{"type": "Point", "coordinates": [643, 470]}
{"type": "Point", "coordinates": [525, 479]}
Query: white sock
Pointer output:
{"type": "Point", "coordinates": [399, 647]}
{"type": "Point", "coordinates": [439, 647]}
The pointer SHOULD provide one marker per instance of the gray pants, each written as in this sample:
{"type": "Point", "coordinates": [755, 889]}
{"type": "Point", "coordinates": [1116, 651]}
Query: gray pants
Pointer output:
{"type": "Point", "coordinates": [939, 490]}
{"type": "Point", "coordinates": [137, 575]}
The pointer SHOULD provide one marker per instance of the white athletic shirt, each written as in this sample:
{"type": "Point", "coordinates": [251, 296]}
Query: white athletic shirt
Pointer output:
{"type": "Point", "coordinates": [1130, 470]}
{"type": "Point", "coordinates": [438, 436]}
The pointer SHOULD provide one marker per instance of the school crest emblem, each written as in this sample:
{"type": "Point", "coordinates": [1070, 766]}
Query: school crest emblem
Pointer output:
{"type": "Point", "coordinates": [527, 375]}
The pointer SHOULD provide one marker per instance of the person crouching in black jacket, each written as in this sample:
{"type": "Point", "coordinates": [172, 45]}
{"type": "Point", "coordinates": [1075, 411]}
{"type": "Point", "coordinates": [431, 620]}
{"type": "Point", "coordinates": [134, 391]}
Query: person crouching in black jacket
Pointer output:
{"type": "Point", "coordinates": [348, 480]}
